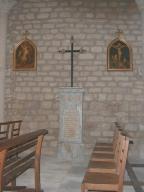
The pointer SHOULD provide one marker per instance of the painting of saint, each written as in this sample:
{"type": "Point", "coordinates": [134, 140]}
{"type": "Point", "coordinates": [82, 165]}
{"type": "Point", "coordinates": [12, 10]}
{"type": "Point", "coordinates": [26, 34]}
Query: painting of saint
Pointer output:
{"type": "Point", "coordinates": [25, 56]}
{"type": "Point", "coordinates": [119, 54]}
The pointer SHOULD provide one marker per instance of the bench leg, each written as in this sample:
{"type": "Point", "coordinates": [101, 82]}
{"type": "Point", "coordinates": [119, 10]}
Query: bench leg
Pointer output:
{"type": "Point", "coordinates": [13, 183]}
{"type": "Point", "coordinates": [83, 189]}
{"type": "Point", "coordinates": [10, 186]}
{"type": "Point", "coordinates": [37, 177]}
{"type": "Point", "coordinates": [37, 163]}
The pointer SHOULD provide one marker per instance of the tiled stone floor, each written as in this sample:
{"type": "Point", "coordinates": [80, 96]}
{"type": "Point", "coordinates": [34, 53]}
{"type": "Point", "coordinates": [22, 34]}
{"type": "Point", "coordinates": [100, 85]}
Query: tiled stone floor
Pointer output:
{"type": "Point", "coordinates": [63, 176]}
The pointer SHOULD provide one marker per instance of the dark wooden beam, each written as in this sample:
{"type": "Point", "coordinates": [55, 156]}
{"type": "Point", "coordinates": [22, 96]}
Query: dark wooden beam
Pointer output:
{"type": "Point", "coordinates": [136, 165]}
{"type": "Point", "coordinates": [133, 178]}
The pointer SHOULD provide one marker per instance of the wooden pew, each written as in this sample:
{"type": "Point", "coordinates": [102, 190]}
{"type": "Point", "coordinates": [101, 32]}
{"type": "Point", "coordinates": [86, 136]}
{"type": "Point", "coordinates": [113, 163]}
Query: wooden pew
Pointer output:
{"type": "Point", "coordinates": [10, 129]}
{"type": "Point", "coordinates": [107, 157]}
{"type": "Point", "coordinates": [94, 181]}
{"type": "Point", "coordinates": [108, 149]}
{"type": "Point", "coordinates": [16, 156]}
{"type": "Point", "coordinates": [107, 166]}
{"type": "Point", "coordinates": [108, 146]}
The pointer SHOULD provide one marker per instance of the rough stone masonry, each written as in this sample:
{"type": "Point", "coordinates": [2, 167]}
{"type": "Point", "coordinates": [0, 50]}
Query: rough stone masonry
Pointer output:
{"type": "Point", "coordinates": [109, 96]}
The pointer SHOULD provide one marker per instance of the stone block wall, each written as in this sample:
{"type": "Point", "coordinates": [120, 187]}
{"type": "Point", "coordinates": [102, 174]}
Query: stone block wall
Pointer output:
{"type": "Point", "coordinates": [109, 96]}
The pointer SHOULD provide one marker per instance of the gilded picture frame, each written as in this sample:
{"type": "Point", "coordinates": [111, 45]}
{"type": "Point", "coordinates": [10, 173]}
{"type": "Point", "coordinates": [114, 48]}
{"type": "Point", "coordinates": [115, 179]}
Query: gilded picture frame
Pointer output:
{"type": "Point", "coordinates": [25, 56]}
{"type": "Point", "coordinates": [119, 55]}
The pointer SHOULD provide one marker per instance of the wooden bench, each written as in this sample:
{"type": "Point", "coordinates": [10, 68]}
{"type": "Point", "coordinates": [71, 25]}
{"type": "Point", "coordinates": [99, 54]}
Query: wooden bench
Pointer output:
{"type": "Point", "coordinates": [18, 155]}
{"type": "Point", "coordinates": [108, 149]}
{"type": "Point", "coordinates": [107, 156]}
{"type": "Point", "coordinates": [107, 175]}
{"type": "Point", "coordinates": [10, 129]}
{"type": "Point", "coordinates": [109, 146]}
{"type": "Point", "coordinates": [104, 164]}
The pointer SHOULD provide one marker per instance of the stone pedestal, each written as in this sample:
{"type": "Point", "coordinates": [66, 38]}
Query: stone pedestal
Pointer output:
{"type": "Point", "coordinates": [70, 134]}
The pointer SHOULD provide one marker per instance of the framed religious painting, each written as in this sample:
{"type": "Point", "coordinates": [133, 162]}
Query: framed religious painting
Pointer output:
{"type": "Point", "coordinates": [25, 55]}
{"type": "Point", "coordinates": [119, 54]}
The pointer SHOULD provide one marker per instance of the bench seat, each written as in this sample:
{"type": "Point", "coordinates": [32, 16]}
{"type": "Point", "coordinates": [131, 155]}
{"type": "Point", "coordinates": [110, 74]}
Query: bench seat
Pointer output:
{"type": "Point", "coordinates": [100, 181]}
{"type": "Point", "coordinates": [103, 150]}
{"type": "Point", "coordinates": [18, 155]}
{"type": "Point", "coordinates": [105, 172]}
{"type": "Point", "coordinates": [102, 157]}
{"type": "Point", "coordinates": [102, 167]}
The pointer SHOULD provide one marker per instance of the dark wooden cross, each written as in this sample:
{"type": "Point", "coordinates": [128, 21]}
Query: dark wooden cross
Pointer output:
{"type": "Point", "coordinates": [72, 51]}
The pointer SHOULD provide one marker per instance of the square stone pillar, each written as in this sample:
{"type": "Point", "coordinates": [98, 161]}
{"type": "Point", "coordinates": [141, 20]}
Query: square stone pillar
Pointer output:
{"type": "Point", "coordinates": [70, 133]}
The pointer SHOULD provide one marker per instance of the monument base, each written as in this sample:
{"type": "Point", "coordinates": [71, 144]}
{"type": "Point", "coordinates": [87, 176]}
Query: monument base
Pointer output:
{"type": "Point", "coordinates": [71, 151]}
{"type": "Point", "coordinates": [70, 135]}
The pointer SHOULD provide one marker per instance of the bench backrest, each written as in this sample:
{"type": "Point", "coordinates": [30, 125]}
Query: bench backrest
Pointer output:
{"type": "Point", "coordinates": [117, 132]}
{"type": "Point", "coordinates": [117, 144]}
{"type": "Point", "coordinates": [122, 160]}
{"type": "Point", "coordinates": [119, 150]}
{"type": "Point", "coordinates": [18, 154]}
{"type": "Point", "coordinates": [10, 129]}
